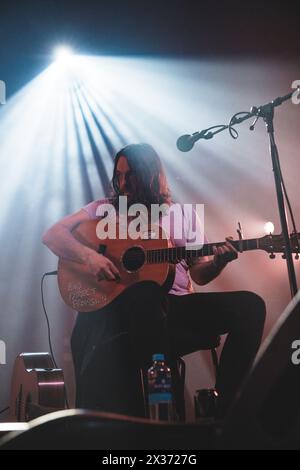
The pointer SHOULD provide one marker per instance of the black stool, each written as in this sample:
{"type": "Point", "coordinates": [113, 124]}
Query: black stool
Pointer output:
{"type": "Point", "coordinates": [178, 368]}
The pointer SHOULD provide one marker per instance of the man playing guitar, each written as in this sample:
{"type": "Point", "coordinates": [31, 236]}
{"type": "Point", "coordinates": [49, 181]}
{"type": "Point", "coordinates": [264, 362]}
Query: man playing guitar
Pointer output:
{"type": "Point", "coordinates": [111, 343]}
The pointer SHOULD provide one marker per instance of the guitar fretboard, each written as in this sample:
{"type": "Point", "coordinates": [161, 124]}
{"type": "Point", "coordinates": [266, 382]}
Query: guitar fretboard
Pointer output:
{"type": "Point", "coordinates": [178, 253]}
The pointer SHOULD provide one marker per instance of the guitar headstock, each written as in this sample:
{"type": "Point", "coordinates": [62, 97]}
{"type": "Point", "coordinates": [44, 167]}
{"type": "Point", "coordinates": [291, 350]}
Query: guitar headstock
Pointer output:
{"type": "Point", "coordinates": [275, 243]}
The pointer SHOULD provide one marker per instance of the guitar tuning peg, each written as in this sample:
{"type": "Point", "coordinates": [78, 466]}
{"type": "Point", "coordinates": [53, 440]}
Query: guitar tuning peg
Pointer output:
{"type": "Point", "coordinates": [272, 256]}
{"type": "Point", "coordinates": [283, 256]}
{"type": "Point", "coordinates": [297, 256]}
{"type": "Point", "coordinates": [240, 234]}
{"type": "Point", "coordinates": [240, 231]}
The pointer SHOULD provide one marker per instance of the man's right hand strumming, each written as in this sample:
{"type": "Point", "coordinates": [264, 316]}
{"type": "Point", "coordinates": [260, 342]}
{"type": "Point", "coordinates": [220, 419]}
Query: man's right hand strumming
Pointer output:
{"type": "Point", "coordinates": [60, 240]}
{"type": "Point", "coordinates": [101, 267]}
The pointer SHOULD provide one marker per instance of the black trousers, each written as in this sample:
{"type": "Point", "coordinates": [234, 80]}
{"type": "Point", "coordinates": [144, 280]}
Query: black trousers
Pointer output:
{"type": "Point", "coordinates": [110, 346]}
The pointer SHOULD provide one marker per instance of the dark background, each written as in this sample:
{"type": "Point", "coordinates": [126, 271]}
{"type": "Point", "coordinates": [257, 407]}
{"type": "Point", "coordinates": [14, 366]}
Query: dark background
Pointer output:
{"type": "Point", "coordinates": [29, 30]}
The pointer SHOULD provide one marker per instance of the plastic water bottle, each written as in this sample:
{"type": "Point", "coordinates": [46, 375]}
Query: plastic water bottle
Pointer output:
{"type": "Point", "coordinates": [160, 390]}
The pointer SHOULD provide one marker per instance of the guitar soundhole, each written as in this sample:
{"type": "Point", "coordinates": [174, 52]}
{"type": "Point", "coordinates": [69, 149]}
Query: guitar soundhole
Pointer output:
{"type": "Point", "coordinates": [133, 259]}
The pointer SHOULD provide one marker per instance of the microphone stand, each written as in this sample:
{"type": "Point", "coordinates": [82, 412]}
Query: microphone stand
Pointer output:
{"type": "Point", "coordinates": [267, 113]}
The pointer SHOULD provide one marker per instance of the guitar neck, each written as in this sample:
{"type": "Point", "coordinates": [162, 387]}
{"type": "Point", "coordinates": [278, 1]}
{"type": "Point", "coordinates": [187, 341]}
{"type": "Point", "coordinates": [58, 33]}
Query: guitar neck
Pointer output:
{"type": "Point", "coordinates": [178, 253]}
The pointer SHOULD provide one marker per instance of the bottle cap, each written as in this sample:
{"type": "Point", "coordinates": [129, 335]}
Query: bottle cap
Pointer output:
{"type": "Point", "coordinates": [158, 357]}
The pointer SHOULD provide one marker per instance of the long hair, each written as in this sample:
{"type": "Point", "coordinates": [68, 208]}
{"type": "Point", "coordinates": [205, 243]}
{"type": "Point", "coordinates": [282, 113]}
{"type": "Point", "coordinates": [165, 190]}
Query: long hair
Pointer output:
{"type": "Point", "coordinates": [151, 182]}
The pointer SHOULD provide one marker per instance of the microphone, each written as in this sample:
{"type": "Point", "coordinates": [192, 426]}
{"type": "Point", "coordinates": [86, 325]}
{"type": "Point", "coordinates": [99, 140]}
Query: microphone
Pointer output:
{"type": "Point", "coordinates": [186, 142]}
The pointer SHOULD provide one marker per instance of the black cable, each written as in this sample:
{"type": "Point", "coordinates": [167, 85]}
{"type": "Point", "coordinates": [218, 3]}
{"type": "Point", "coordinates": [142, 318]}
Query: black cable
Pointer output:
{"type": "Point", "coordinates": [4, 409]}
{"type": "Point", "coordinates": [236, 119]}
{"type": "Point", "coordinates": [51, 273]}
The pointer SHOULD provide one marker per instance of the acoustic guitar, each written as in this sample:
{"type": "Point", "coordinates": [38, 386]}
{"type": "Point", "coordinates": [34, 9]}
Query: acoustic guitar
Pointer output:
{"type": "Point", "coordinates": [37, 387]}
{"type": "Point", "coordinates": [149, 258]}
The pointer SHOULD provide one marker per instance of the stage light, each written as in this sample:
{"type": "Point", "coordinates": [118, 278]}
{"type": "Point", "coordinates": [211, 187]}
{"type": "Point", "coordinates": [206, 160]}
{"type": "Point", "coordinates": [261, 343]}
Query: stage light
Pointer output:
{"type": "Point", "coordinates": [269, 228]}
{"type": "Point", "coordinates": [63, 54]}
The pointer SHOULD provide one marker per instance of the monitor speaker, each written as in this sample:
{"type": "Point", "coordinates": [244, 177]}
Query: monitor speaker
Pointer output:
{"type": "Point", "coordinates": [266, 414]}
{"type": "Point", "coordinates": [87, 430]}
